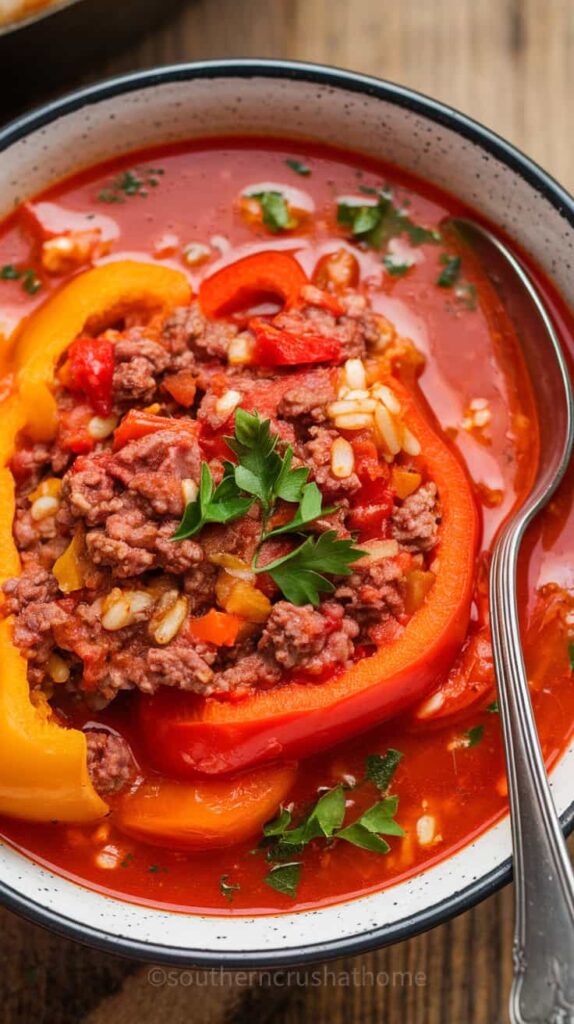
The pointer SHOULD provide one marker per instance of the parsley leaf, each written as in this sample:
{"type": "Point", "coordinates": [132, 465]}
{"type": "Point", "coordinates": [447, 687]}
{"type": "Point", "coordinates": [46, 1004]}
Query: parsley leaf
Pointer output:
{"type": "Point", "coordinates": [375, 224]}
{"type": "Point", "coordinates": [261, 471]}
{"type": "Point", "coordinates": [275, 210]}
{"type": "Point", "coordinates": [494, 708]}
{"type": "Point", "coordinates": [222, 504]}
{"type": "Point", "coordinates": [284, 878]}
{"type": "Point", "coordinates": [571, 655]}
{"type": "Point", "coordinates": [278, 825]}
{"type": "Point", "coordinates": [450, 273]}
{"type": "Point", "coordinates": [380, 768]}
{"type": "Point", "coordinates": [310, 508]}
{"type": "Point", "coordinates": [359, 835]}
{"type": "Point", "coordinates": [299, 167]}
{"type": "Point", "coordinates": [227, 888]}
{"type": "Point", "coordinates": [474, 735]}
{"type": "Point", "coordinates": [299, 574]}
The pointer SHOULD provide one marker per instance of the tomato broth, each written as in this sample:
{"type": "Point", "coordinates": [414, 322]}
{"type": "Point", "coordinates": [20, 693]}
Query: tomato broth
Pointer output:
{"type": "Point", "coordinates": [450, 782]}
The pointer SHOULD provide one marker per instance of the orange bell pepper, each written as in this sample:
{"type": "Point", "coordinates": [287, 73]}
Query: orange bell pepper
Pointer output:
{"type": "Point", "coordinates": [43, 766]}
{"type": "Point", "coordinates": [187, 733]}
{"type": "Point", "coordinates": [92, 301]}
{"type": "Point", "coordinates": [216, 628]}
{"type": "Point", "coordinates": [204, 814]}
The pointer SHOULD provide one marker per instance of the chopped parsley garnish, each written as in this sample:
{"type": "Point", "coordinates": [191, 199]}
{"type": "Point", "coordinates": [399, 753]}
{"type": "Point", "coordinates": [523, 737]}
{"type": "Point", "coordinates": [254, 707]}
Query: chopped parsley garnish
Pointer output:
{"type": "Point", "coordinates": [494, 708]}
{"type": "Point", "coordinates": [380, 768]}
{"type": "Point", "coordinates": [154, 869]}
{"type": "Point", "coordinates": [298, 166]}
{"type": "Point", "coordinates": [265, 476]}
{"type": "Point", "coordinates": [9, 273]}
{"type": "Point", "coordinates": [474, 735]}
{"type": "Point", "coordinates": [374, 224]}
{"type": "Point", "coordinates": [396, 268]}
{"type": "Point", "coordinates": [220, 504]}
{"type": "Point", "coordinates": [326, 821]}
{"type": "Point", "coordinates": [571, 655]}
{"type": "Point", "coordinates": [300, 574]}
{"type": "Point", "coordinates": [227, 888]}
{"type": "Point", "coordinates": [125, 863]}
{"type": "Point", "coordinates": [450, 272]}
{"type": "Point", "coordinates": [284, 878]}
{"type": "Point", "coordinates": [131, 183]}
{"type": "Point", "coordinates": [28, 277]}
{"type": "Point", "coordinates": [274, 210]}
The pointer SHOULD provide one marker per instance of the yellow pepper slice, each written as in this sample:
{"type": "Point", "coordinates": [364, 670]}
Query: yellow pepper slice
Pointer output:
{"type": "Point", "coordinates": [43, 766]}
{"type": "Point", "coordinates": [92, 300]}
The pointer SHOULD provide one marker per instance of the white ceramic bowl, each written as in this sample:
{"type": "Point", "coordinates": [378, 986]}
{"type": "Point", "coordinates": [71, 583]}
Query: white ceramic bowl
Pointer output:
{"type": "Point", "coordinates": [453, 152]}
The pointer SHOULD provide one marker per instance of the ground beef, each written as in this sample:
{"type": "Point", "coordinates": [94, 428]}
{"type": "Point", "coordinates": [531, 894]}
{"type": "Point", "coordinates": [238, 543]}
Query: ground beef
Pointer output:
{"type": "Point", "coordinates": [306, 399]}
{"type": "Point", "coordinates": [131, 503]}
{"type": "Point", "coordinates": [374, 592]}
{"type": "Point", "coordinates": [31, 599]}
{"type": "Point", "coordinates": [252, 670]}
{"type": "Point", "coordinates": [138, 364]}
{"type": "Point", "coordinates": [37, 540]}
{"type": "Point", "coordinates": [416, 522]}
{"type": "Point", "coordinates": [306, 639]}
{"type": "Point", "coordinates": [110, 762]}
{"type": "Point", "coordinates": [188, 330]}
{"type": "Point", "coordinates": [350, 330]}
{"type": "Point", "coordinates": [317, 455]}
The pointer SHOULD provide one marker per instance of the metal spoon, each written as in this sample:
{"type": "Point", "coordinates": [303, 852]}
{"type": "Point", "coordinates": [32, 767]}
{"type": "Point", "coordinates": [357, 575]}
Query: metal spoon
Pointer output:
{"type": "Point", "coordinates": [543, 985]}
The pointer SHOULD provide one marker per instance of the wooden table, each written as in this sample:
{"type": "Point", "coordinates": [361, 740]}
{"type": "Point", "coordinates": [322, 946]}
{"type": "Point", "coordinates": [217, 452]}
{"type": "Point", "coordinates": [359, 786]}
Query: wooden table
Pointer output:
{"type": "Point", "coordinates": [509, 63]}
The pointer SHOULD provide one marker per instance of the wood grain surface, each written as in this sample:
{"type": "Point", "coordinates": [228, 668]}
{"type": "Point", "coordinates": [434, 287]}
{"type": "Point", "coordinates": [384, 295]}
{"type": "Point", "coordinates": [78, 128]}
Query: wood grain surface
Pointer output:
{"type": "Point", "coordinates": [509, 63]}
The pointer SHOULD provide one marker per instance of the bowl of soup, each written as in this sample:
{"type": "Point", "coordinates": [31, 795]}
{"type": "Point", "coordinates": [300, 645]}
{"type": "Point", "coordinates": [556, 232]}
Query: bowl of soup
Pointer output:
{"type": "Point", "coordinates": [261, 419]}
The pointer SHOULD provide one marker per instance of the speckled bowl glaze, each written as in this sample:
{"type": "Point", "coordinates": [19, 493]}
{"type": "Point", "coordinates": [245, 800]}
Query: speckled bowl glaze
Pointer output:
{"type": "Point", "coordinates": [425, 137]}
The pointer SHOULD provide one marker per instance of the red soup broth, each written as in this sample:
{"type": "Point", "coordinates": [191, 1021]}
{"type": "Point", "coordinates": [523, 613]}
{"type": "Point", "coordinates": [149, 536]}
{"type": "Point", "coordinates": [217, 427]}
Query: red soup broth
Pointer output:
{"type": "Point", "coordinates": [471, 354]}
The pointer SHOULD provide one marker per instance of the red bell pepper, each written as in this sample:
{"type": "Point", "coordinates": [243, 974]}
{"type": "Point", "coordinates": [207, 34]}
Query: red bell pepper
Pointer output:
{"type": "Point", "coordinates": [250, 279]}
{"type": "Point", "coordinates": [138, 423]}
{"type": "Point", "coordinates": [188, 734]}
{"type": "Point", "coordinates": [91, 371]}
{"type": "Point", "coordinates": [470, 680]}
{"type": "Point", "coordinates": [274, 347]}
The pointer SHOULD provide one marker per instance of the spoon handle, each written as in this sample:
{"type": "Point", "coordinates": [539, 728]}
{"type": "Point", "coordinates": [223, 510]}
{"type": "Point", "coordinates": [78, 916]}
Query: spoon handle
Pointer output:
{"type": "Point", "coordinates": [543, 986]}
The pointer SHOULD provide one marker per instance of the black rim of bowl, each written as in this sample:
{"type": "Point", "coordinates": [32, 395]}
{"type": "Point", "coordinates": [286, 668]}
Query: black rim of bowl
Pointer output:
{"type": "Point", "coordinates": [479, 888]}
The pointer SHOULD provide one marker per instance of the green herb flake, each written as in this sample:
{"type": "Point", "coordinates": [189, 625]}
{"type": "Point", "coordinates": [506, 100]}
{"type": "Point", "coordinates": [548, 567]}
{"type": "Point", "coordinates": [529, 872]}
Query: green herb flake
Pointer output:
{"type": "Point", "coordinates": [153, 869]}
{"type": "Point", "coordinates": [131, 183]}
{"type": "Point", "coordinates": [450, 273]}
{"type": "Point", "coordinates": [29, 279]}
{"type": "Point", "coordinates": [571, 655]}
{"type": "Point", "coordinates": [395, 268]}
{"type": "Point", "coordinates": [494, 708]}
{"type": "Point", "coordinates": [126, 862]}
{"type": "Point", "coordinates": [275, 211]}
{"type": "Point", "coordinates": [380, 768]}
{"type": "Point", "coordinates": [9, 273]}
{"type": "Point", "coordinates": [299, 167]}
{"type": "Point", "coordinates": [278, 825]}
{"type": "Point", "coordinates": [31, 283]}
{"type": "Point", "coordinates": [474, 735]}
{"type": "Point", "coordinates": [227, 888]}
{"type": "Point", "coordinates": [376, 223]}
{"type": "Point", "coordinates": [284, 878]}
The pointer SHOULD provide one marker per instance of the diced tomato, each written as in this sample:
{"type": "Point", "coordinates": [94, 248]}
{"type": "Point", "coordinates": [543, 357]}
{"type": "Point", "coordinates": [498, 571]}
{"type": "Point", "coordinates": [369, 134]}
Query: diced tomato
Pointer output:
{"type": "Point", "coordinates": [138, 423]}
{"type": "Point", "coordinates": [90, 369]}
{"type": "Point", "coordinates": [182, 387]}
{"type": "Point", "coordinates": [274, 347]}
{"type": "Point", "coordinates": [73, 433]}
{"type": "Point", "coordinates": [368, 463]}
